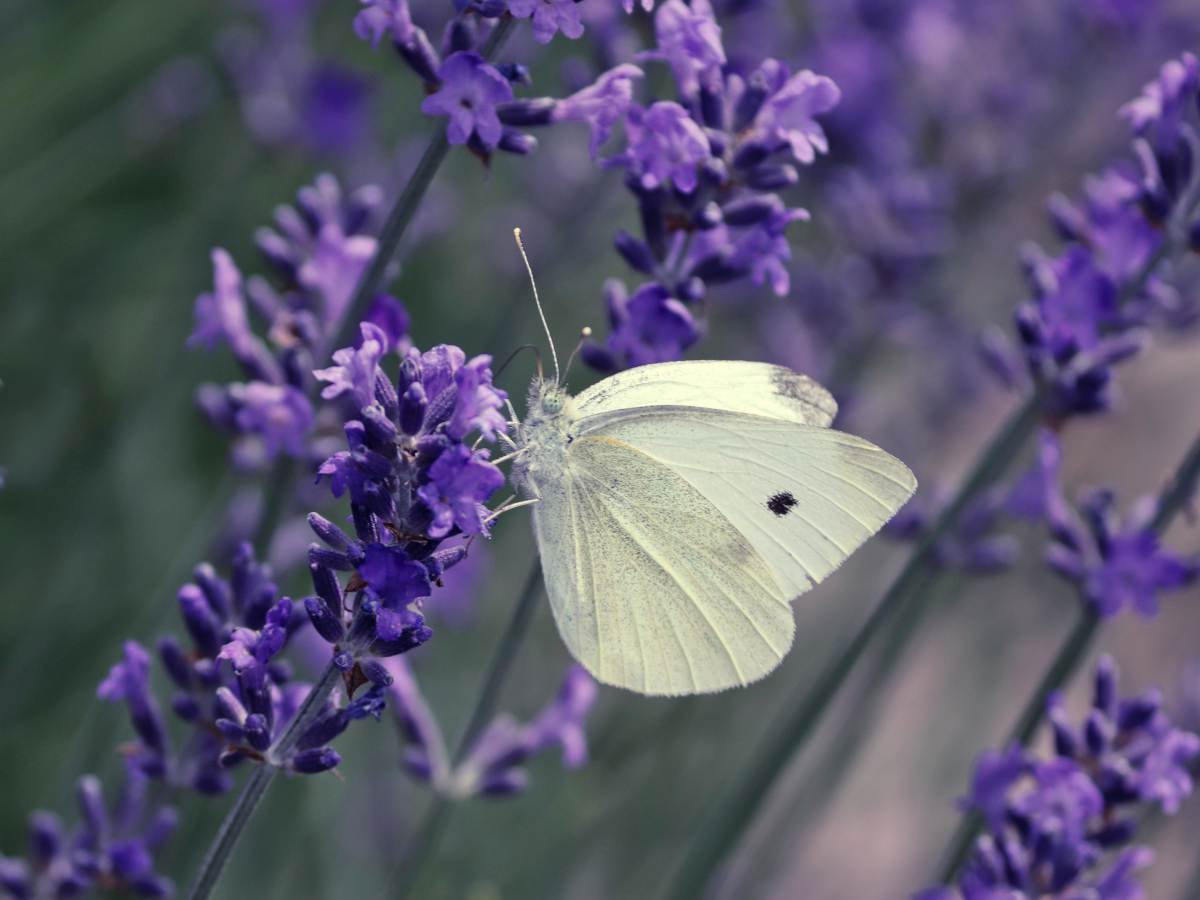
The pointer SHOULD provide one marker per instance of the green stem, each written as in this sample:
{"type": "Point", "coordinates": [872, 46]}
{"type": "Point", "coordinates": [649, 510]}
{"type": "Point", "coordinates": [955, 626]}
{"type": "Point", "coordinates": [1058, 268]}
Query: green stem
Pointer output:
{"type": "Point", "coordinates": [735, 811]}
{"type": "Point", "coordinates": [406, 206]}
{"type": "Point", "coordinates": [255, 788]}
{"type": "Point", "coordinates": [1070, 655]}
{"type": "Point", "coordinates": [428, 835]}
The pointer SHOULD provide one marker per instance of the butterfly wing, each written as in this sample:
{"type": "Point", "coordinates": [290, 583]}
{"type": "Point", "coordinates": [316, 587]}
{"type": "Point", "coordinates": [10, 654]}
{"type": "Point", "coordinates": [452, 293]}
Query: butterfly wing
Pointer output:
{"type": "Point", "coordinates": [652, 587]}
{"type": "Point", "coordinates": [804, 497]}
{"type": "Point", "coordinates": [752, 388]}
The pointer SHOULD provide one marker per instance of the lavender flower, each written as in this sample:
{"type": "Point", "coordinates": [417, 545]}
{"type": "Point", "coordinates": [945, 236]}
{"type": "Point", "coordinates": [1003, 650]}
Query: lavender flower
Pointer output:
{"type": "Point", "coordinates": [231, 688]}
{"type": "Point", "coordinates": [600, 105]}
{"type": "Point", "coordinates": [318, 251]}
{"type": "Point", "coordinates": [1116, 564]}
{"type": "Point", "coordinates": [111, 849]}
{"type": "Point", "coordinates": [469, 92]}
{"type": "Point", "coordinates": [549, 17]}
{"type": "Point", "coordinates": [1051, 822]}
{"type": "Point", "coordinates": [413, 482]}
{"type": "Point", "coordinates": [495, 765]}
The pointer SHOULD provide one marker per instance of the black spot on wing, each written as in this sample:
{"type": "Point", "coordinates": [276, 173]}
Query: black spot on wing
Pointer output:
{"type": "Point", "coordinates": [781, 504]}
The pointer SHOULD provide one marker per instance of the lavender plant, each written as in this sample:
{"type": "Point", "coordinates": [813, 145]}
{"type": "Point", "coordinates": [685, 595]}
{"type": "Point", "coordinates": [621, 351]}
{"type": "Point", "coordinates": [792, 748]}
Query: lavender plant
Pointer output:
{"type": "Point", "coordinates": [716, 122]}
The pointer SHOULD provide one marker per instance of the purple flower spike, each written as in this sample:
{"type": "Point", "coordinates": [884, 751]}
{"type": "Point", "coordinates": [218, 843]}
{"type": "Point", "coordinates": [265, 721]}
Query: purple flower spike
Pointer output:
{"type": "Point", "coordinates": [470, 89]}
{"type": "Point", "coordinates": [1054, 825]}
{"type": "Point", "coordinates": [549, 17]}
{"type": "Point", "coordinates": [601, 105]}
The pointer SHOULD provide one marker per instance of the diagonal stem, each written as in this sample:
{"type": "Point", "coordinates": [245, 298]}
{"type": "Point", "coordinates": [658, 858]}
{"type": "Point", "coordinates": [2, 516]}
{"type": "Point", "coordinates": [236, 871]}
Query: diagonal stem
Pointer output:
{"type": "Point", "coordinates": [429, 833]}
{"type": "Point", "coordinates": [256, 786]}
{"type": "Point", "coordinates": [1066, 662]}
{"type": "Point", "coordinates": [725, 825]}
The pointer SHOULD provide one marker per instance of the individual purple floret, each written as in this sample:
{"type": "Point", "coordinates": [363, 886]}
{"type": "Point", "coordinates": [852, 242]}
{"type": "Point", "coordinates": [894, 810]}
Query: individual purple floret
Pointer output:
{"type": "Point", "coordinates": [1052, 824]}
{"type": "Point", "coordinates": [317, 251]}
{"type": "Point", "coordinates": [468, 93]}
{"type": "Point", "coordinates": [495, 765]}
{"type": "Point", "coordinates": [111, 849]}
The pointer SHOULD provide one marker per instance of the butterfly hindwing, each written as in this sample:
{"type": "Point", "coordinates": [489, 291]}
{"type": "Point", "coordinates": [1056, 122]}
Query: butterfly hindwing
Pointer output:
{"type": "Point", "coordinates": [652, 587]}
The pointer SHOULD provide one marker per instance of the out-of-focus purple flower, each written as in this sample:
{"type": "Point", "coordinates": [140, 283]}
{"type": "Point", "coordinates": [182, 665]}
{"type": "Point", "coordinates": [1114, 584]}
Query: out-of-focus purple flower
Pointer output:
{"type": "Point", "coordinates": [335, 109]}
{"type": "Point", "coordinates": [995, 773]}
{"type": "Point", "coordinates": [111, 849]}
{"type": "Point", "coordinates": [689, 41]}
{"type": "Point", "coordinates": [759, 250]}
{"type": "Point", "coordinates": [318, 250]}
{"type": "Point", "coordinates": [601, 105]}
{"type": "Point", "coordinates": [384, 17]}
{"type": "Point", "coordinates": [974, 545]}
{"type": "Point", "coordinates": [549, 17]}
{"type": "Point", "coordinates": [389, 315]}
{"type": "Point", "coordinates": [1163, 102]}
{"type": "Point", "coordinates": [1117, 564]}
{"type": "Point", "coordinates": [459, 483]}
{"type": "Point", "coordinates": [468, 93]}
{"type": "Point", "coordinates": [651, 326]}
{"type": "Point", "coordinates": [788, 115]}
{"type": "Point", "coordinates": [495, 765]}
{"type": "Point", "coordinates": [666, 146]}
{"type": "Point", "coordinates": [278, 413]}
{"type": "Point", "coordinates": [221, 315]}
{"type": "Point", "coordinates": [335, 268]}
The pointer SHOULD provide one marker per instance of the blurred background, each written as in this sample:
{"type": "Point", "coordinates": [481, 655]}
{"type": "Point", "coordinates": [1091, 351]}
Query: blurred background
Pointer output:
{"type": "Point", "coordinates": [137, 135]}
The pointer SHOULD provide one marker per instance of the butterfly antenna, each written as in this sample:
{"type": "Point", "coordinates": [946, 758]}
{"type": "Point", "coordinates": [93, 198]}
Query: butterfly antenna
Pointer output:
{"type": "Point", "coordinates": [538, 303]}
{"type": "Point", "coordinates": [584, 334]}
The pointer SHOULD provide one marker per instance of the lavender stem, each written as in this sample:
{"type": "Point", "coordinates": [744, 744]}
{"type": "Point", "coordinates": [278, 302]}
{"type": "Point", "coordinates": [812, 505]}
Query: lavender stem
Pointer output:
{"type": "Point", "coordinates": [737, 808]}
{"type": "Point", "coordinates": [1066, 662]}
{"type": "Point", "coordinates": [247, 802]}
{"type": "Point", "coordinates": [406, 206]}
{"type": "Point", "coordinates": [428, 835]}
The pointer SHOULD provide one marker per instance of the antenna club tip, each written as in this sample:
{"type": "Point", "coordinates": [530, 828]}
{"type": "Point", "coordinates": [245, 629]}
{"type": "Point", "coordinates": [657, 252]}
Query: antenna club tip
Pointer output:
{"type": "Point", "coordinates": [586, 331]}
{"type": "Point", "coordinates": [517, 232]}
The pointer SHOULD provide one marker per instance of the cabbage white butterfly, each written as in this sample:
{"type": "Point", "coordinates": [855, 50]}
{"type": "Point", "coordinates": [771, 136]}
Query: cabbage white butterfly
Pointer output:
{"type": "Point", "coordinates": [679, 507]}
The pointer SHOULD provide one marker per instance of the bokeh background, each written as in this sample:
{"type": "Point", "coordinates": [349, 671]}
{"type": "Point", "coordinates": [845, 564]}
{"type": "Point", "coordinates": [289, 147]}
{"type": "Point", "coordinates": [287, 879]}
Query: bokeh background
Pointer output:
{"type": "Point", "coordinates": [136, 135]}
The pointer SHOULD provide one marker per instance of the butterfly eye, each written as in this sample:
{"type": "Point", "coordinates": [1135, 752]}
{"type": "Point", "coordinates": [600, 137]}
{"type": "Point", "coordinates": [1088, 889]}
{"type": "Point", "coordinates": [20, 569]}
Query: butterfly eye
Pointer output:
{"type": "Point", "coordinates": [552, 403]}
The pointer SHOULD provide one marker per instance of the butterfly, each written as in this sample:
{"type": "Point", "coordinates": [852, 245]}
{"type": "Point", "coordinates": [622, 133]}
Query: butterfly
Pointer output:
{"type": "Point", "coordinates": [679, 507]}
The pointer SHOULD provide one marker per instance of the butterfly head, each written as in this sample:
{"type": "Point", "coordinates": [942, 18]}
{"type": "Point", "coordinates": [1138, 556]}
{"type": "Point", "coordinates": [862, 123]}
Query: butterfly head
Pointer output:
{"type": "Point", "coordinates": [549, 400]}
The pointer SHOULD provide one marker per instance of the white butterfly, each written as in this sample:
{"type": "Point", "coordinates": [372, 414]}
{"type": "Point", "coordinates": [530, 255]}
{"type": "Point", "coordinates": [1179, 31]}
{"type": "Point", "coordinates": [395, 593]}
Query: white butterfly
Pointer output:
{"type": "Point", "coordinates": [681, 506]}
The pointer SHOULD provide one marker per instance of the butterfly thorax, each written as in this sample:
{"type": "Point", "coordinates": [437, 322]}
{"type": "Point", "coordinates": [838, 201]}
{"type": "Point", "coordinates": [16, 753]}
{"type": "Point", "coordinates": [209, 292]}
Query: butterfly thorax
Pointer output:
{"type": "Point", "coordinates": [544, 437]}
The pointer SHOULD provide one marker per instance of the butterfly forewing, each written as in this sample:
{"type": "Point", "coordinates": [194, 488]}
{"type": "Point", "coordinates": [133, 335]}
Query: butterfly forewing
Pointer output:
{"type": "Point", "coordinates": [805, 498]}
{"type": "Point", "coordinates": [752, 388]}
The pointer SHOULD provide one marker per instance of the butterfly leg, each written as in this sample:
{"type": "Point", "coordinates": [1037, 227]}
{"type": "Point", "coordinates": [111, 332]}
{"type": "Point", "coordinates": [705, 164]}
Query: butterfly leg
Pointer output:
{"type": "Point", "coordinates": [508, 506]}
